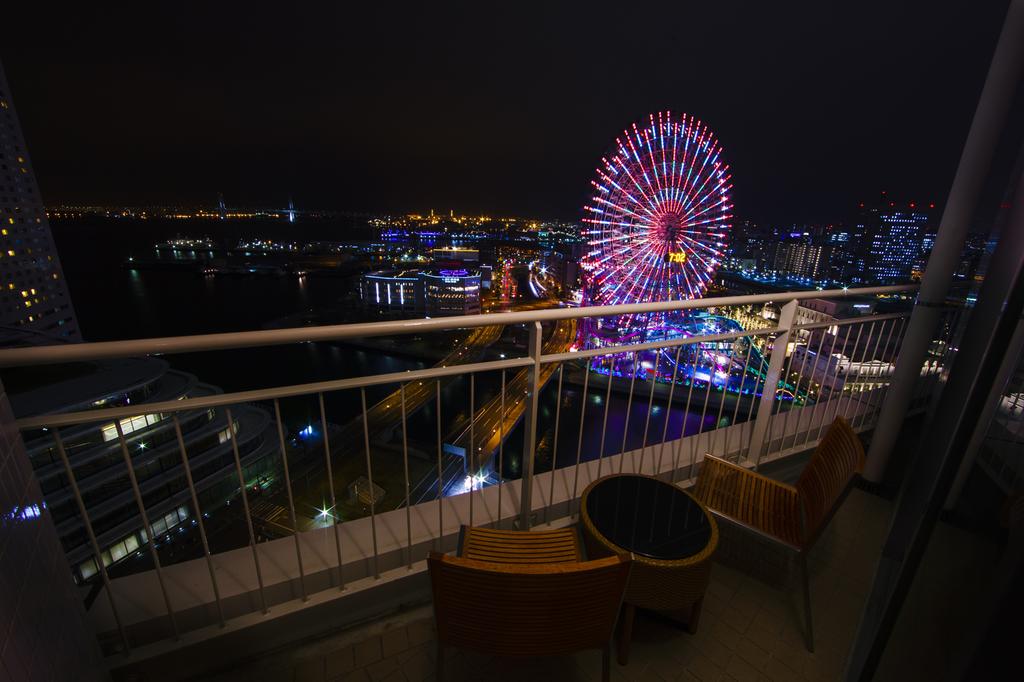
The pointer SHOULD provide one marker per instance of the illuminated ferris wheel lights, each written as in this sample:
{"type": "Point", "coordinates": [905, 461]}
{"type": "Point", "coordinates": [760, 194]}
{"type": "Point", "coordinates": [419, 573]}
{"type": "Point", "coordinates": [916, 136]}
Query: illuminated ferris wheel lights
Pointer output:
{"type": "Point", "coordinates": [659, 216]}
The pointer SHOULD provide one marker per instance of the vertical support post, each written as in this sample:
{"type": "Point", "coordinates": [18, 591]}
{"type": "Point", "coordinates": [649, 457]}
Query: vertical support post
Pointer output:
{"type": "Point", "coordinates": [405, 463]}
{"type": "Point", "coordinates": [245, 506]}
{"type": "Point", "coordinates": [530, 435]}
{"type": "Point", "coordinates": [668, 417]}
{"type": "Point", "coordinates": [989, 119]}
{"type": "Point", "coordinates": [291, 499]}
{"type": "Point", "coordinates": [330, 487]}
{"type": "Point", "coordinates": [771, 382]}
{"type": "Point", "coordinates": [369, 478]}
{"type": "Point", "coordinates": [151, 540]}
{"type": "Point", "coordinates": [471, 450]}
{"type": "Point", "coordinates": [583, 417]}
{"type": "Point", "coordinates": [92, 539]}
{"type": "Point", "coordinates": [501, 445]}
{"type": "Point", "coordinates": [187, 468]}
{"type": "Point", "coordinates": [440, 471]}
{"type": "Point", "coordinates": [554, 452]}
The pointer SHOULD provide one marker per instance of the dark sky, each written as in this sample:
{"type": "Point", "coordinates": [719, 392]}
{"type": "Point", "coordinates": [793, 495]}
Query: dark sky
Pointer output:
{"type": "Point", "coordinates": [502, 108]}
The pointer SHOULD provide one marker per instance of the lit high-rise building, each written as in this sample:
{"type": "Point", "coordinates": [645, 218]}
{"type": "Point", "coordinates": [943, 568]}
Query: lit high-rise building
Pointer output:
{"type": "Point", "coordinates": [891, 236]}
{"type": "Point", "coordinates": [35, 306]}
{"type": "Point", "coordinates": [800, 259]}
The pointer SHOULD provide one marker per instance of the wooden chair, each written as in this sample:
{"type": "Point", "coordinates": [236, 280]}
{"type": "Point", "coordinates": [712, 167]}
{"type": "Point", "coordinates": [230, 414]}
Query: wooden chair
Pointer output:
{"type": "Point", "coordinates": [792, 516]}
{"type": "Point", "coordinates": [520, 547]}
{"type": "Point", "coordinates": [527, 609]}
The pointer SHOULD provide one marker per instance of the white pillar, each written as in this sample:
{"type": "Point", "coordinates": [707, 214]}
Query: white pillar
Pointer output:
{"type": "Point", "coordinates": [762, 428]}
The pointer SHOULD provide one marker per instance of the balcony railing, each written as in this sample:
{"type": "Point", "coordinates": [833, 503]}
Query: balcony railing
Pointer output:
{"type": "Point", "coordinates": [275, 534]}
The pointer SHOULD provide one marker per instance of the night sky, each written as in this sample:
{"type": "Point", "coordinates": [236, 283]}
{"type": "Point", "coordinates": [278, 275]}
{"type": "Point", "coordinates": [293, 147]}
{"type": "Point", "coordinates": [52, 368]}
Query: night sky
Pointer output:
{"type": "Point", "coordinates": [501, 109]}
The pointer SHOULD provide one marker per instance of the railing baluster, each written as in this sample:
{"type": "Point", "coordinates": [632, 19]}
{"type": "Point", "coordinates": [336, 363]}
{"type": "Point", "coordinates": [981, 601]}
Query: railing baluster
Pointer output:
{"type": "Point", "coordinates": [799, 382]}
{"type": "Point", "coordinates": [721, 407]}
{"type": "Point", "coordinates": [472, 444]}
{"type": "Point", "coordinates": [899, 342]}
{"type": "Point", "coordinates": [810, 385]}
{"type": "Point", "coordinates": [291, 499]}
{"type": "Point", "coordinates": [817, 400]}
{"type": "Point", "coordinates": [739, 397]}
{"type": "Point", "coordinates": [533, 387]}
{"type": "Point", "coordinates": [187, 468]}
{"type": "Point", "coordinates": [92, 539]}
{"type": "Point", "coordinates": [604, 422]}
{"type": "Point", "coordinates": [784, 378]}
{"type": "Point", "coordinates": [245, 507]}
{"type": "Point", "coordinates": [583, 414]}
{"type": "Point", "coordinates": [501, 447]}
{"type": "Point", "coordinates": [369, 477]}
{"type": "Point", "coordinates": [839, 397]}
{"type": "Point", "coordinates": [629, 407]}
{"type": "Point", "coordinates": [668, 413]}
{"type": "Point", "coordinates": [145, 522]}
{"type": "Point", "coordinates": [750, 410]}
{"type": "Point", "coordinates": [874, 354]}
{"type": "Point", "coordinates": [703, 416]}
{"type": "Point", "coordinates": [851, 401]}
{"type": "Point", "coordinates": [554, 446]}
{"type": "Point", "coordinates": [885, 352]}
{"type": "Point", "coordinates": [686, 413]}
{"type": "Point", "coordinates": [821, 386]}
{"type": "Point", "coordinates": [405, 461]}
{"type": "Point", "coordinates": [851, 404]}
{"type": "Point", "coordinates": [330, 482]}
{"type": "Point", "coordinates": [440, 474]}
{"type": "Point", "coordinates": [650, 406]}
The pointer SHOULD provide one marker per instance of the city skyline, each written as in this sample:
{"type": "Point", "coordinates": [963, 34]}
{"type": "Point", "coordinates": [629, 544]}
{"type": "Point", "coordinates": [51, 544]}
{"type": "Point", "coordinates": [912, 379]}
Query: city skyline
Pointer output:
{"type": "Point", "coordinates": [344, 119]}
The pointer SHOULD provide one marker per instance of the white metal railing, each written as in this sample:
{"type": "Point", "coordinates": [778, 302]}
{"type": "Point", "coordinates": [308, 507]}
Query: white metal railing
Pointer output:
{"type": "Point", "coordinates": [765, 428]}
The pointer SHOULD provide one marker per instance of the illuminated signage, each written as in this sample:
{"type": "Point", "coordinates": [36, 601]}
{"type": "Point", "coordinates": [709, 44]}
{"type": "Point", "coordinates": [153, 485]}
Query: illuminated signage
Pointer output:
{"type": "Point", "coordinates": [676, 256]}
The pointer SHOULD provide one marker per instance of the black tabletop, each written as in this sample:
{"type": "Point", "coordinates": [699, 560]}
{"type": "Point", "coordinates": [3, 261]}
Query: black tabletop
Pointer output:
{"type": "Point", "coordinates": [648, 517]}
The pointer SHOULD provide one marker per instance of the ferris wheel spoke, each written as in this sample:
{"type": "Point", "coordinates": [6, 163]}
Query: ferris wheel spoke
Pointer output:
{"type": "Point", "coordinates": [604, 201]}
{"type": "Point", "coordinates": [630, 276]}
{"type": "Point", "coordinates": [696, 190]}
{"type": "Point", "coordinates": [644, 207]}
{"type": "Point", "coordinates": [702, 192]}
{"type": "Point", "coordinates": [693, 139]}
{"type": "Point", "coordinates": [690, 220]}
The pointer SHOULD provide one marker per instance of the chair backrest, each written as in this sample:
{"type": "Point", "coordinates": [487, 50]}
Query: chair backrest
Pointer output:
{"type": "Point", "coordinates": [836, 460]}
{"type": "Point", "coordinates": [526, 609]}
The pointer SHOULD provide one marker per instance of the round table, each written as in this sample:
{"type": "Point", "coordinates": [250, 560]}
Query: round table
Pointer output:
{"type": "Point", "coordinates": [672, 537]}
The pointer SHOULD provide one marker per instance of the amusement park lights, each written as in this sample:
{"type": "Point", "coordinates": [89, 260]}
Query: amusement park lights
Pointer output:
{"type": "Point", "coordinates": [659, 218]}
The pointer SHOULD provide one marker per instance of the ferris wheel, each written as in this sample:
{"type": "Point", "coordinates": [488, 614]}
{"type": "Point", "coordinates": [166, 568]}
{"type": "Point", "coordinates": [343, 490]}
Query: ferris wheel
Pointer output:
{"type": "Point", "coordinates": [658, 221]}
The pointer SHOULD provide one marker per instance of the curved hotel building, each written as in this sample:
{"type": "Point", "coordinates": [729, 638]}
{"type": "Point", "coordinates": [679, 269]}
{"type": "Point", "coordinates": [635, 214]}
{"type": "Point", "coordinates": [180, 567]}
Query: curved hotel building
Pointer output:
{"type": "Point", "coordinates": [97, 460]}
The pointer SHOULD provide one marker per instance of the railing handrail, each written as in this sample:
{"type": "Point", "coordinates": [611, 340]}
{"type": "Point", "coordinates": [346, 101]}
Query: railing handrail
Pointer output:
{"type": "Point", "coordinates": [82, 352]}
{"type": "Point", "coordinates": [60, 419]}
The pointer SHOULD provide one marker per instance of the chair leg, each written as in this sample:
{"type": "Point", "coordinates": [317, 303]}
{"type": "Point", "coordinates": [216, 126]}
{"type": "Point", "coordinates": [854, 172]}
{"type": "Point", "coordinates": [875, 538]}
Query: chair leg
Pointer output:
{"type": "Point", "coordinates": [606, 663]}
{"type": "Point", "coordinates": [691, 625]}
{"type": "Point", "coordinates": [626, 632]}
{"type": "Point", "coordinates": [440, 662]}
{"type": "Point", "coordinates": [807, 601]}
